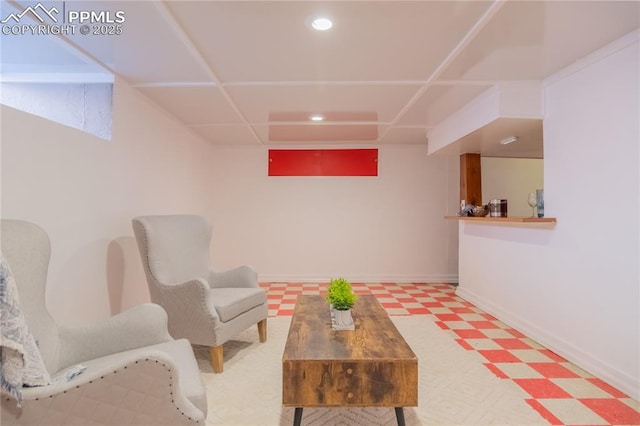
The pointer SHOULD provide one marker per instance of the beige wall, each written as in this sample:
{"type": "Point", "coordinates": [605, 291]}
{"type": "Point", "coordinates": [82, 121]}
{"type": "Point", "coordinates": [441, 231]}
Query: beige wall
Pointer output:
{"type": "Point", "coordinates": [84, 191]}
{"type": "Point", "coordinates": [574, 287]}
{"type": "Point", "coordinates": [389, 227]}
{"type": "Point", "coordinates": [511, 179]}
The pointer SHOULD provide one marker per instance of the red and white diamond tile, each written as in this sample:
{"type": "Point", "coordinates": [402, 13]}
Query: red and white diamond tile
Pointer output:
{"type": "Point", "coordinates": [560, 391]}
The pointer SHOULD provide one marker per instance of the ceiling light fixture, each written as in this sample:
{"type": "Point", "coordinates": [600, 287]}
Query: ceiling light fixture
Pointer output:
{"type": "Point", "coordinates": [508, 140]}
{"type": "Point", "coordinates": [321, 24]}
{"type": "Point", "coordinates": [316, 117]}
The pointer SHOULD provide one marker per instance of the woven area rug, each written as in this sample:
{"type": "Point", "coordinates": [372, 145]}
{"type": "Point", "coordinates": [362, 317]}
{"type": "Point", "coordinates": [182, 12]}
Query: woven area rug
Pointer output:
{"type": "Point", "coordinates": [454, 387]}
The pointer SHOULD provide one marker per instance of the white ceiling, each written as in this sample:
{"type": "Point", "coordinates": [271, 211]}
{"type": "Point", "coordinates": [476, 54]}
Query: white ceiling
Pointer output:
{"type": "Point", "coordinates": [252, 72]}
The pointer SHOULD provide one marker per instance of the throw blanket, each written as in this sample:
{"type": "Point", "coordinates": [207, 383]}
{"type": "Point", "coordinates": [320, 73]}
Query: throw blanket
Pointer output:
{"type": "Point", "coordinates": [21, 363]}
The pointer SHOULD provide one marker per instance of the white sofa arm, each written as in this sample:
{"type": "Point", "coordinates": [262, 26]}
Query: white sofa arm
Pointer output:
{"type": "Point", "coordinates": [140, 326]}
{"type": "Point", "coordinates": [149, 373]}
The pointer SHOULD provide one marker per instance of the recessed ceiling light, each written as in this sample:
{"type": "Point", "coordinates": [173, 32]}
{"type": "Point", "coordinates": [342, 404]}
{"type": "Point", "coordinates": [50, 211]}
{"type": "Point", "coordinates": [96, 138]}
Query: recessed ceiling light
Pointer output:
{"type": "Point", "coordinates": [509, 140]}
{"type": "Point", "coordinates": [321, 24]}
{"type": "Point", "coordinates": [316, 117]}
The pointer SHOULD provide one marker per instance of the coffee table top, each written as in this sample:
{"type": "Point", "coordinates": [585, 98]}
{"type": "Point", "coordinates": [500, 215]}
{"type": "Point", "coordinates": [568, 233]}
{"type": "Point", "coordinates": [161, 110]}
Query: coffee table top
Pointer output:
{"type": "Point", "coordinates": [375, 336]}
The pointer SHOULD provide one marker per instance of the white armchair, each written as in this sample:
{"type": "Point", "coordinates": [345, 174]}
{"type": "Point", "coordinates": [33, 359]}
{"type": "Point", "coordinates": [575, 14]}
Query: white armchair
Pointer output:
{"type": "Point", "coordinates": [205, 306]}
{"type": "Point", "coordinates": [136, 373]}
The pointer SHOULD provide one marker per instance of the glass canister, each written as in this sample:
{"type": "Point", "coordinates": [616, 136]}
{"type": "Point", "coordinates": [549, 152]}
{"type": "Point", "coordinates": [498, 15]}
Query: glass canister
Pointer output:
{"type": "Point", "coordinates": [540, 202]}
{"type": "Point", "coordinates": [497, 208]}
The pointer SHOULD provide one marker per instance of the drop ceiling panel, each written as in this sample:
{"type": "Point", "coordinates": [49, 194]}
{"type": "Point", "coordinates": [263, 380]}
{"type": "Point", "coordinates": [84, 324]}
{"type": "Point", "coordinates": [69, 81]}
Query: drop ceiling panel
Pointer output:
{"type": "Point", "coordinates": [439, 102]}
{"type": "Point", "coordinates": [262, 41]}
{"type": "Point", "coordinates": [259, 103]}
{"type": "Point", "coordinates": [227, 135]}
{"type": "Point", "coordinates": [240, 66]}
{"type": "Point", "coordinates": [319, 135]}
{"type": "Point", "coordinates": [147, 51]}
{"type": "Point", "coordinates": [529, 40]}
{"type": "Point", "coordinates": [323, 133]}
{"type": "Point", "coordinates": [305, 116]}
{"type": "Point", "coordinates": [565, 44]}
{"type": "Point", "coordinates": [194, 105]}
{"type": "Point", "coordinates": [405, 135]}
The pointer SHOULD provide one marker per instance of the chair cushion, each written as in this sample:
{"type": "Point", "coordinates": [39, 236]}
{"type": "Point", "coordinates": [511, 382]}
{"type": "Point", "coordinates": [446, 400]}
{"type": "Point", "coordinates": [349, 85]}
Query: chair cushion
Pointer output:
{"type": "Point", "coordinates": [231, 302]}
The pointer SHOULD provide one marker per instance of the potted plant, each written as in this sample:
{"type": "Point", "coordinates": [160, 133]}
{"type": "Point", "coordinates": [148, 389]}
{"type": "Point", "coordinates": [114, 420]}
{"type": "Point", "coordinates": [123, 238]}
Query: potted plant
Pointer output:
{"type": "Point", "coordinates": [341, 297]}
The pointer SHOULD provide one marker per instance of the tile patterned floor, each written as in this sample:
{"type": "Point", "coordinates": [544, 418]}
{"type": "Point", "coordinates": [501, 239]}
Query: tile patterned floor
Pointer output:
{"type": "Point", "coordinates": [560, 391]}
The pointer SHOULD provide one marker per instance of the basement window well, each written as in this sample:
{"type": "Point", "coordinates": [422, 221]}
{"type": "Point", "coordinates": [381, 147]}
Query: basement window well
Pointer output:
{"type": "Point", "coordinates": [47, 74]}
{"type": "Point", "coordinates": [83, 106]}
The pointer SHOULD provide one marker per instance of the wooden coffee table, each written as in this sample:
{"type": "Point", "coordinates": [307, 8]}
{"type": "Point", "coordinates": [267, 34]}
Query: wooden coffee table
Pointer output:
{"type": "Point", "coordinates": [371, 366]}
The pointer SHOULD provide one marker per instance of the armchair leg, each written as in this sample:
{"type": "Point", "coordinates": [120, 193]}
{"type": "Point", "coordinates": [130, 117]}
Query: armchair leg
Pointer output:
{"type": "Point", "coordinates": [217, 358]}
{"type": "Point", "coordinates": [262, 330]}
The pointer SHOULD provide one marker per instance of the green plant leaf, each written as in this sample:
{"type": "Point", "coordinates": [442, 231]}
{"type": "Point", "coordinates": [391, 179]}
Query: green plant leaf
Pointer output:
{"type": "Point", "coordinates": [340, 294]}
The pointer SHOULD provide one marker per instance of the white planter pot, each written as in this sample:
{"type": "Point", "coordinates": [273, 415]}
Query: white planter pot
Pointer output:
{"type": "Point", "coordinates": [342, 320]}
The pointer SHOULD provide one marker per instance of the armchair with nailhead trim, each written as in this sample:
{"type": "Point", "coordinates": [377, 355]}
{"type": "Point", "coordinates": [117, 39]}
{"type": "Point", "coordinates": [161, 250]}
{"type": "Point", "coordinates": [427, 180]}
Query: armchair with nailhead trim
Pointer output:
{"type": "Point", "coordinates": [136, 373]}
{"type": "Point", "coordinates": [206, 306]}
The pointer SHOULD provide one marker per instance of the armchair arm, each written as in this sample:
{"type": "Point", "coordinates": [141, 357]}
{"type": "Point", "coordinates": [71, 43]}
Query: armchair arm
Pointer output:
{"type": "Point", "coordinates": [129, 374]}
{"type": "Point", "coordinates": [242, 276]}
{"type": "Point", "coordinates": [189, 315]}
{"type": "Point", "coordinates": [140, 326]}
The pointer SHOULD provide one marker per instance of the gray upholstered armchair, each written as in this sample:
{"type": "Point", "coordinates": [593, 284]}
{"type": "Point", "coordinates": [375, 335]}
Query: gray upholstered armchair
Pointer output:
{"type": "Point", "coordinates": [204, 306]}
{"type": "Point", "coordinates": [136, 373]}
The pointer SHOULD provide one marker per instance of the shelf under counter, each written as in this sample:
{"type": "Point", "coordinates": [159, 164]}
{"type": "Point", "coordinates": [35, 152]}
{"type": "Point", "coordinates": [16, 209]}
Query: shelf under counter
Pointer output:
{"type": "Point", "coordinates": [488, 219]}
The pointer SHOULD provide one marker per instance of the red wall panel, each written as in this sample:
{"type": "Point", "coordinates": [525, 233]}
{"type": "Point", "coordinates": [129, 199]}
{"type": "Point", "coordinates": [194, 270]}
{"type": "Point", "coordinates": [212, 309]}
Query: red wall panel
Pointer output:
{"type": "Point", "coordinates": [323, 162]}
{"type": "Point", "coordinates": [293, 162]}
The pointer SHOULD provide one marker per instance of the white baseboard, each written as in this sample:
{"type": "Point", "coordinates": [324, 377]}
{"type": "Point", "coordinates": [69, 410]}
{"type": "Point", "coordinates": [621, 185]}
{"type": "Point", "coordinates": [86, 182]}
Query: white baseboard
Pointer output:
{"type": "Point", "coordinates": [604, 371]}
{"type": "Point", "coordinates": [431, 278]}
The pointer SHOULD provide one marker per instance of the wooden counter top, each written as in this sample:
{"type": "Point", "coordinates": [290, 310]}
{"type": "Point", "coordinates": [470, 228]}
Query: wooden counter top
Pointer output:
{"type": "Point", "coordinates": [514, 219]}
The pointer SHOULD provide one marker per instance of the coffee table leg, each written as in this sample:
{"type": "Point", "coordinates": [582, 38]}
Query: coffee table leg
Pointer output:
{"type": "Point", "coordinates": [297, 416]}
{"type": "Point", "coordinates": [399, 416]}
